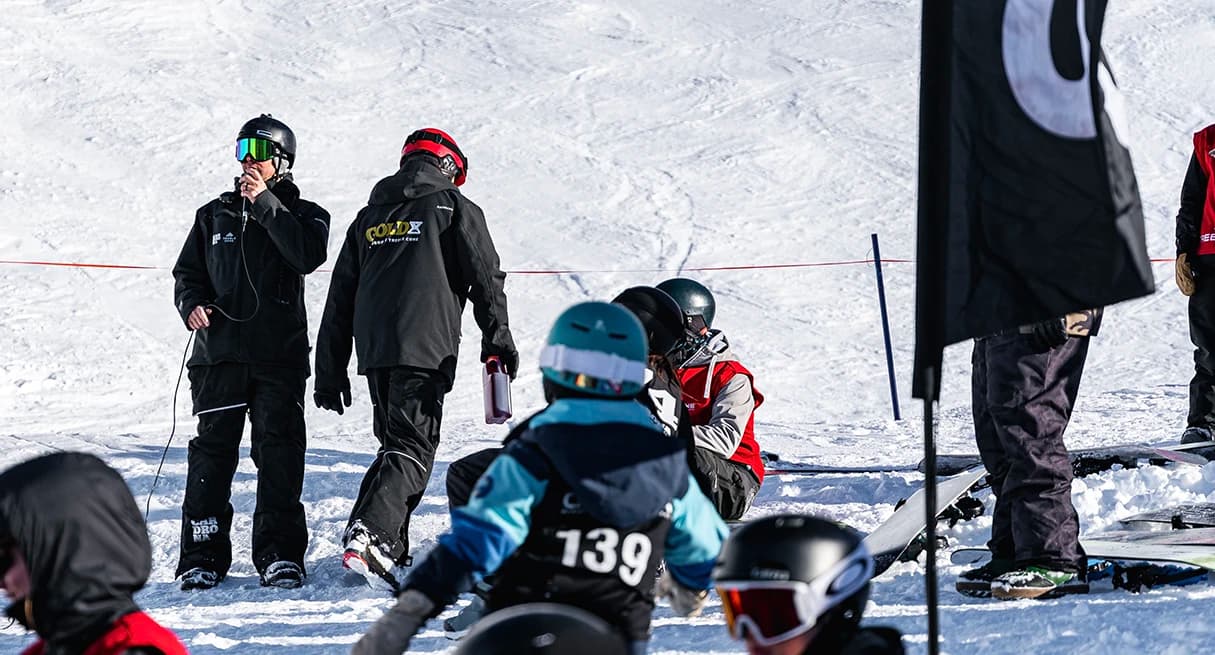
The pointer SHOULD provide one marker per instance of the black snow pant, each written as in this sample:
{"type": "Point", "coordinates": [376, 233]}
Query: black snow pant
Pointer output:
{"type": "Point", "coordinates": [273, 398]}
{"type": "Point", "coordinates": [730, 486]}
{"type": "Point", "coordinates": [1022, 401]}
{"type": "Point", "coordinates": [407, 406]}
{"type": "Point", "coordinates": [1202, 333]}
{"type": "Point", "coordinates": [463, 474]}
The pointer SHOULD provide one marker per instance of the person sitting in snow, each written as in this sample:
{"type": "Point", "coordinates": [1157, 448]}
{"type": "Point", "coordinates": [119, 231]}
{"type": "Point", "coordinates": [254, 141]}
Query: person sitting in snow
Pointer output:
{"type": "Point", "coordinates": [721, 398]}
{"type": "Point", "coordinates": [793, 584]}
{"type": "Point", "coordinates": [581, 507]}
{"type": "Point", "coordinates": [73, 551]}
{"type": "Point", "coordinates": [662, 320]}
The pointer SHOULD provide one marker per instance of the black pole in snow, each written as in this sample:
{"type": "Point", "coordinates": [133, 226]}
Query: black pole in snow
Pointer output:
{"type": "Point", "coordinates": [881, 287]}
{"type": "Point", "coordinates": [930, 514]}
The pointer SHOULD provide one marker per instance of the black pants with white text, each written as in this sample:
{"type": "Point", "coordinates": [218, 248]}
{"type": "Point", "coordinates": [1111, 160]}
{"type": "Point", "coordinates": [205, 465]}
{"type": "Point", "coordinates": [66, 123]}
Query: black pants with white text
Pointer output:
{"type": "Point", "coordinates": [272, 397]}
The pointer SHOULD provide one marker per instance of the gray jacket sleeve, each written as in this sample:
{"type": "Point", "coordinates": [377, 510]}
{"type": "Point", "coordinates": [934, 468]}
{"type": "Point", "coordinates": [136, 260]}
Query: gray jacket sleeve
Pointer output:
{"type": "Point", "coordinates": [731, 412]}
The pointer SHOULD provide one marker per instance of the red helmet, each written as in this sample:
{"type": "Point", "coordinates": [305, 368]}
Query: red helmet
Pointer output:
{"type": "Point", "coordinates": [441, 145]}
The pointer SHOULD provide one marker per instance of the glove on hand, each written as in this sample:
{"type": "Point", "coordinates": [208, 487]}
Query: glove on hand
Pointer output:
{"type": "Point", "coordinates": [509, 359]}
{"type": "Point", "coordinates": [332, 400]}
{"type": "Point", "coordinates": [685, 602]}
{"type": "Point", "coordinates": [1047, 334]}
{"type": "Point", "coordinates": [391, 634]}
{"type": "Point", "coordinates": [1185, 275]}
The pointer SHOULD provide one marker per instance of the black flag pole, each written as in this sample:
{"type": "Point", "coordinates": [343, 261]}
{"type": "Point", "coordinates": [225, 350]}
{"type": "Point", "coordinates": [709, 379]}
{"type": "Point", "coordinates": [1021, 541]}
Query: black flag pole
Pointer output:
{"type": "Point", "coordinates": [930, 515]}
{"type": "Point", "coordinates": [931, 251]}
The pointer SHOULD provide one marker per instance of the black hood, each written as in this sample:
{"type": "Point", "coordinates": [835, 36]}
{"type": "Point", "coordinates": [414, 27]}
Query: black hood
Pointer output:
{"type": "Point", "coordinates": [419, 176]}
{"type": "Point", "coordinates": [614, 457]}
{"type": "Point", "coordinates": [84, 542]}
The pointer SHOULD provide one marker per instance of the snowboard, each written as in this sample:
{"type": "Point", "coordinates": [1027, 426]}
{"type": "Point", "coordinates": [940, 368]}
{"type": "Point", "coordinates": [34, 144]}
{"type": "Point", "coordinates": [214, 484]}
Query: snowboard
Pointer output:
{"type": "Point", "coordinates": [888, 543]}
{"type": "Point", "coordinates": [1194, 547]}
{"type": "Point", "coordinates": [1088, 461]}
{"type": "Point", "coordinates": [774, 465]}
{"type": "Point", "coordinates": [1184, 516]}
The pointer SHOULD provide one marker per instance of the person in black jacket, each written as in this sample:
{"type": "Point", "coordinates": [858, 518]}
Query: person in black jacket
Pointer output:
{"type": "Point", "coordinates": [240, 288]}
{"type": "Point", "coordinates": [74, 550]}
{"type": "Point", "coordinates": [793, 584]}
{"type": "Point", "coordinates": [412, 258]}
{"type": "Point", "coordinates": [1195, 264]}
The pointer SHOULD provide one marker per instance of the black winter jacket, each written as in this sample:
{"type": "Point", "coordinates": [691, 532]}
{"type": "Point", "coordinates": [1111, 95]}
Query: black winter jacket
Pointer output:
{"type": "Point", "coordinates": [1189, 216]}
{"type": "Point", "coordinates": [284, 239]}
{"type": "Point", "coordinates": [85, 545]}
{"type": "Point", "coordinates": [411, 260]}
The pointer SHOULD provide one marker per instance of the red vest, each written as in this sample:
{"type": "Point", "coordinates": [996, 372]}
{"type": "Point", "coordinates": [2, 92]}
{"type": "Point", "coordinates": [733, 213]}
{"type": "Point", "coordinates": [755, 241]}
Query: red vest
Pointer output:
{"type": "Point", "coordinates": [1204, 143]}
{"type": "Point", "coordinates": [131, 631]}
{"type": "Point", "coordinates": [701, 409]}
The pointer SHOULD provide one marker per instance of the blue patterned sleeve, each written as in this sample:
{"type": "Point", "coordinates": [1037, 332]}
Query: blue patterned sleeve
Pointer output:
{"type": "Point", "coordinates": [483, 533]}
{"type": "Point", "coordinates": [497, 518]}
{"type": "Point", "coordinates": [695, 539]}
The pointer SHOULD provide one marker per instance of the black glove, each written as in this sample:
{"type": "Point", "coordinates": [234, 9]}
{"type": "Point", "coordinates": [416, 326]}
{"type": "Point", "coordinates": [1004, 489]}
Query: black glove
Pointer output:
{"type": "Point", "coordinates": [1047, 334]}
{"type": "Point", "coordinates": [509, 359]}
{"type": "Point", "coordinates": [332, 400]}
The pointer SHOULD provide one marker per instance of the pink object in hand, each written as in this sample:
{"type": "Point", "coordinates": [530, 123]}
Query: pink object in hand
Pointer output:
{"type": "Point", "coordinates": [497, 391]}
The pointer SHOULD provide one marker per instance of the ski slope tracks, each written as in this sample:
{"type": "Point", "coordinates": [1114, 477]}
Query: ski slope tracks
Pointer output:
{"type": "Point", "coordinates": [626, 142]}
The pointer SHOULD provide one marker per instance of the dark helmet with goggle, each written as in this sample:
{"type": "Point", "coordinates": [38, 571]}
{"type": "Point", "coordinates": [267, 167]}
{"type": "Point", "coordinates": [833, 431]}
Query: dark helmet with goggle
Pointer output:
{"type": "Point", "coordinates": [698, 307]}
{"type": "Point", "coordinates": [441, 146]}
{"type": "Point", "coordinates": [266, 137]}
{"type": "Point", "coordinates": [659, 314]}
{"type": "Point", "coordinates": [542, 629]}
{"type": "Point", "coordinates": [783, 576]}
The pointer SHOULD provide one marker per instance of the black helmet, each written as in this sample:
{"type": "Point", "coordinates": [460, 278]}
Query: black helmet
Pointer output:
{"type": "Point", "coordinates": [542, 629]}
{"type": "Point", "coordinates": [694, 299]}
{"type": "Point", "coordinates": [659, 314]}
{"type": "Point", "coordinates": [784, 576]}
{"type": "Point", "coordinates": [275, 131]}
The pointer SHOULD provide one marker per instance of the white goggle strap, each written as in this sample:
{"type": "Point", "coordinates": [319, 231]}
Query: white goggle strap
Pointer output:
{"type": "Point", "coordinates": [594, 363]}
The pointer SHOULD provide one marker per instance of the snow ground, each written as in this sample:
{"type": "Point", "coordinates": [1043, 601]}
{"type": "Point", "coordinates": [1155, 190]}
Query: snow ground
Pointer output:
{"type": "Point", "coordinates": [629, 140]}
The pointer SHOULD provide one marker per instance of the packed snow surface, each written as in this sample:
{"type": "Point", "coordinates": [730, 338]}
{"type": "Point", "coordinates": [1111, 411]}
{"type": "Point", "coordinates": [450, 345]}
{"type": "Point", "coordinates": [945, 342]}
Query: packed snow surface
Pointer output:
{"type": "Point", "coordinates": [611, 144]}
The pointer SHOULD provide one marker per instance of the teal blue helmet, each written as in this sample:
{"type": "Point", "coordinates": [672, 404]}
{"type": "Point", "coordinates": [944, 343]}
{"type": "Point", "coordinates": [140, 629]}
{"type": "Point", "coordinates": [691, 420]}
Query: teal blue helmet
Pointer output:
{"type": "Point", "coordinates": [596, 348]}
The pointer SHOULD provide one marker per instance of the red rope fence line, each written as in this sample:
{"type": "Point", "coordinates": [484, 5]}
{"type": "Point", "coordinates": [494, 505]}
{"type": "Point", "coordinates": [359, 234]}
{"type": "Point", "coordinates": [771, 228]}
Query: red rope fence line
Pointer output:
{"type": "Point", "coordinates": [571, 271]}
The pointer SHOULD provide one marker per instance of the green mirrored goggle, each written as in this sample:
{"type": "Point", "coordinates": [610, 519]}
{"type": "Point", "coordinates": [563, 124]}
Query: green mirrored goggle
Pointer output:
{"type": "Point", "coordinates": [258, 149]}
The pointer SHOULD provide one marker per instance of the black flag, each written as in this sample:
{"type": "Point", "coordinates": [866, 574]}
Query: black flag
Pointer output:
{"type": "Point", "coordinates": [1029, 207]}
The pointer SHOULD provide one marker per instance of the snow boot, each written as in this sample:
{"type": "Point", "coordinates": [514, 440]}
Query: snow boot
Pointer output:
{"type": "Point", "coordinates": [1037, 582]}
{"type": "Point", "coordinates": [977, 582]}
{"type": "Point", "coordinates": [199, 578]}
{"type": "Point", "coordinates": [284, 575]}
{"type": "Point", "coordinates": [1196, 434]}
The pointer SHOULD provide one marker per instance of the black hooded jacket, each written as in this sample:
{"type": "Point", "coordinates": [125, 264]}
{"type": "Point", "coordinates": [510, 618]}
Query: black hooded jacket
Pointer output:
{"type": "Point", "coordinates": [252, 268]}
{"type": "Point", "coordinates": [412, 258]}
{"type": "Point", "coordinates": [84, 542]}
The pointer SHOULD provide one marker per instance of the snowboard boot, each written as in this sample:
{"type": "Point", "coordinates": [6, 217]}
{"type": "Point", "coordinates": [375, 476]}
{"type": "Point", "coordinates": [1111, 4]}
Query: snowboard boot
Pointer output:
{"type": "Point", "coordinates": [1196, 434]}
{"type": "Point", "coordinates": [284, 575]}
{"type": "Point", "coordinates": [1037, 582]}
{"type": "Point", "coordinates": [199, 578]}
{"type": "Point", "coordinates": [364, 557]}
{"type": "Point", "coordinates": [976, 583]}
